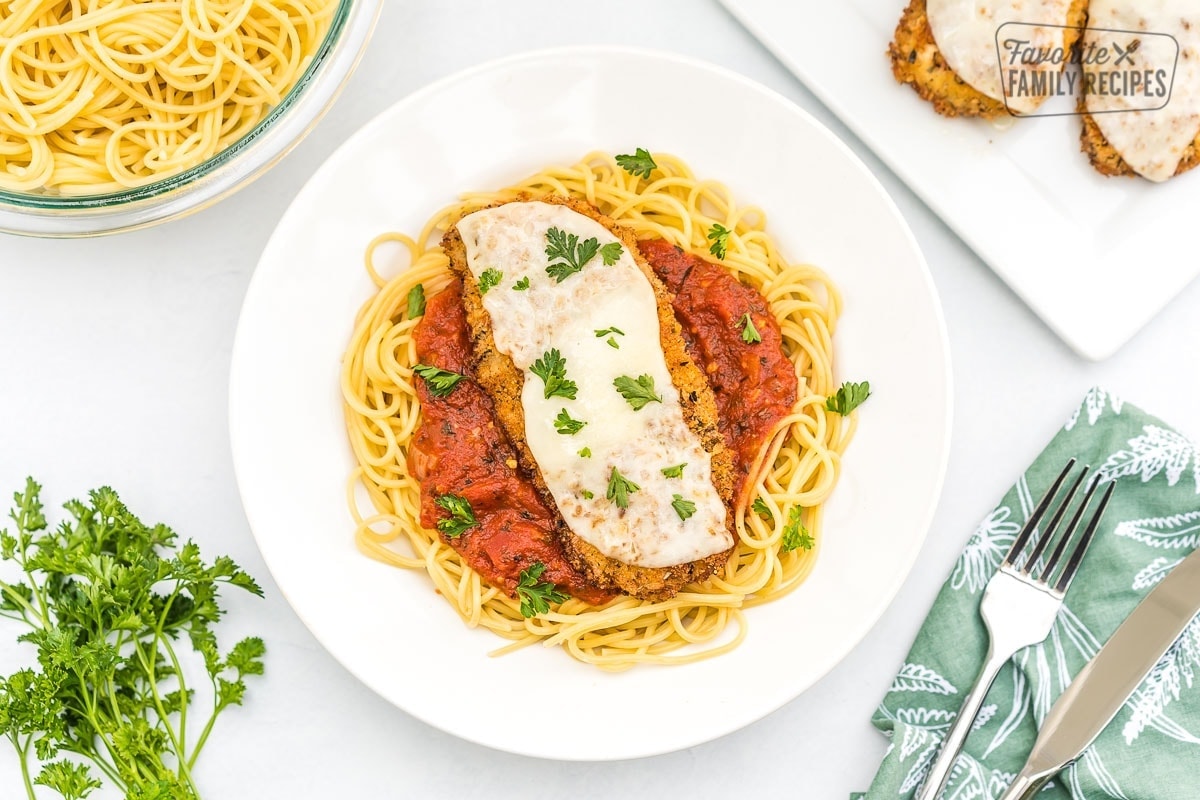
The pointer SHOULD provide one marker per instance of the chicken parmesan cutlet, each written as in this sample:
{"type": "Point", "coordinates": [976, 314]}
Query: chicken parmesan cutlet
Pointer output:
{"type": "Point", "coordinates": [946, 50]}
{"type": "Point", "coordinates": [575, 341]}
{"type": "Point", "coordinates": [1133, 133]}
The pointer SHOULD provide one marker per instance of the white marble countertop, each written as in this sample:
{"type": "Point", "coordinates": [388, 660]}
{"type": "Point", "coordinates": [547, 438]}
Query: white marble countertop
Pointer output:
{"type": "Point", "coordinates": [115, 357]}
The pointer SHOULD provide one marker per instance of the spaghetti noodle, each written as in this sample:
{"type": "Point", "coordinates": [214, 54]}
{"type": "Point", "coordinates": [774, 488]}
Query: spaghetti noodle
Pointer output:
{"type": "Point", "coordinates": [103, 96]}
{"type": "Point", "coordinates": [797, 466]}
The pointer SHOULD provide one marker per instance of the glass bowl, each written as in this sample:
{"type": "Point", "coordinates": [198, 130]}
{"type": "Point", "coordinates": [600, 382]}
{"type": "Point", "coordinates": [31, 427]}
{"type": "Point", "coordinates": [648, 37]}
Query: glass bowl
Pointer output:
{"type": "Point", "coordinates": [59, 216]}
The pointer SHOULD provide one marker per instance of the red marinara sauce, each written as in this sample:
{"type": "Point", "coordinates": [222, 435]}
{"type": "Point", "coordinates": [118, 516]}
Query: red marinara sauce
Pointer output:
{"type": "Point", "coordinates": [460, 449]}
{"type": "Point", "coordinates": [755, 384]}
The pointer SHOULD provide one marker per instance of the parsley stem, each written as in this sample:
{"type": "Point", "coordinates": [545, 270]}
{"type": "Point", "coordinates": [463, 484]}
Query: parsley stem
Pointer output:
{"type": "Point", "coordinates": [24, 751]}
{"type": "Point", "coordinates": [16, 598]}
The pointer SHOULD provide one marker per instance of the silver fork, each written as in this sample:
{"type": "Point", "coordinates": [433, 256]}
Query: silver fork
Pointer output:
{"type": "Point", "coordinates": [1019, 608]}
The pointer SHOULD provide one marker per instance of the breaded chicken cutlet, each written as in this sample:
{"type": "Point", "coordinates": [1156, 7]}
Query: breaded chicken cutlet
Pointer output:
{"type": "Point", "coordinates": [918, 62]}
{"type": "Point", "coordinates": [503, 381]}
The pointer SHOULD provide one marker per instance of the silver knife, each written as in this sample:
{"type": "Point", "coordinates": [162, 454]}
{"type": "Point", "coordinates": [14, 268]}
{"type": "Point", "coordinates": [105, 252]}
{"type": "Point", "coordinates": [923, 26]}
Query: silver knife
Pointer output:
{"type": "Point", "coordinates": [1113, 674]}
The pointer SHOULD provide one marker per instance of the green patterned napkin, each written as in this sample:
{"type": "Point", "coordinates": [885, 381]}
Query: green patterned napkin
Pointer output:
{"type": "Point", "coordinates": [1150, 751]}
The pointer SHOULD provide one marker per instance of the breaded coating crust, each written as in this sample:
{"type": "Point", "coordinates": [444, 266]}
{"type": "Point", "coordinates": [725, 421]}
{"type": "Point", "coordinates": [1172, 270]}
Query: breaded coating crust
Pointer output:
{"type": "Point", "coordinates": [502, 379]}
{"type": "Point", "coordinates": [917, 61]}
{"type": "Point", "coordinates": [1108, 161]}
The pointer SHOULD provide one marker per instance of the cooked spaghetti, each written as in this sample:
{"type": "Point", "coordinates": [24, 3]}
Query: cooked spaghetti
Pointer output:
{"type": "Point", "coordinates": [796, 467]}
{"type": "Point", "coordinates": [103, 96]}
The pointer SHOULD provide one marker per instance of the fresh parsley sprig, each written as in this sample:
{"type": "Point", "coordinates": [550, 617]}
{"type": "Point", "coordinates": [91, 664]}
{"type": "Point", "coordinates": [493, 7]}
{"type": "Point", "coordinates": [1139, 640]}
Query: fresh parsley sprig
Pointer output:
{"type": "Point", "coordinates": [566, 254]}
{"type": "Point", "coordinates": [675, 471]}
{"type": "Point", "coordinates": [566, 425]}
{"type": "Point", "coordinates": [719, 236]}
{"type": "Point", "coordinates": [849, 397]}
{"type": "Point", "coordinates": [552, 369]}
{"type": "Point", "coordinates": [521, 285]}
{"type": "Point", "coordinates": [416, 301]}
{"type": "Point", "coordinates": [619, 488]}
{"type": "Point", "coordinates": [759, 506]}
{"type": "Point", "coordinates": [108, 602]}
{"type": "Point", "coordinates": [749, 332]}
{"type": "Point", "coordinates": [684, 508]}
{"type": "Point", "coordinates": [611, 253]}
{"type": "Point", "coordinates": [637, 392]}
{"type": "Point", "coordinates": [489, 278]}
{"type": "Point", "coordinates": [640, 164]}
{"type": "Point", "coordinates": [441, 382]}
{"type": "Point", "coordinates": [462, 516]}
{"type": "Point", "coordinates": [795, 535]}
{"type": "Point", "coordinates": [535, 595]}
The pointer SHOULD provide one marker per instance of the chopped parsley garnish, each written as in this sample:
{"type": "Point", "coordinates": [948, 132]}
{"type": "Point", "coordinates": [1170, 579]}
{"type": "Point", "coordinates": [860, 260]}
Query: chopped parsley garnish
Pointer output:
{"type": "Point", "coordinates": [719, 236]}
{"type": "Point", "coordinates": [461, 516]}
{"type": "Point", "coordinates": [567, 426]}
{"type": "Point", "coordinates": [567, 254]}
{"type": "Point", "coordinates": [441, 382]}
{"type": "Point", "coordinates": [759, 507]}
{"type": "Point", "coordinates": [587, 494]}
{"type": "Point", "coordinates": [675, 471]}
{"type": "Point", "coordinates": [795, 535]}
{"type": "Point", "coordinates": [684, 508]}
{"type": "Point", "coordinates": [640, 164]}
{"type": "Point", "coordinates": [416, 301]}
{"type": "Point", "coordinates": [619, 489]}
{"type": "Point", "coordinates": [552, 369]}
{"type": "Point", "coordinates": [535, 595]}
{"type": "Point", "coordinates": [489, 278]}
{"type": "Point", "coordinates": [521, 285]}
{"type": "Point", "coordinates": [585, 452]}
{"type": "Point", "coordinates": [849, 397]}
{"type": "Point", "coordinates": [610, 253]}
{"type": "Point", "coordinates": [637, 392]}
{"type": "Point", "coordinates": [611, 333]}
{"type": "Point", "coordinates": [749, 332]}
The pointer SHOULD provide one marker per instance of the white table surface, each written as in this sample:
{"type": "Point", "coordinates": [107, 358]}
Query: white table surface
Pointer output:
{"type": "Point", "coordinates": [115, 356]}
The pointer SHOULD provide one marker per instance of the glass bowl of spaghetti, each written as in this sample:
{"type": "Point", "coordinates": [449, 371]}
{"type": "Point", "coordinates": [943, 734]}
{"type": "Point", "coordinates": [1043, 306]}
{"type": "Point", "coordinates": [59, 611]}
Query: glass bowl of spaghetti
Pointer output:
{"type": "Point", "coordinates": [121, 115]}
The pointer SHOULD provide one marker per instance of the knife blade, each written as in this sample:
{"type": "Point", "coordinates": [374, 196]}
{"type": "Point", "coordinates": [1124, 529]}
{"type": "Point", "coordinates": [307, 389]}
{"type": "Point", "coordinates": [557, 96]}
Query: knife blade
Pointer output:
{"type": "Point", "coordinates": [1100, 690]}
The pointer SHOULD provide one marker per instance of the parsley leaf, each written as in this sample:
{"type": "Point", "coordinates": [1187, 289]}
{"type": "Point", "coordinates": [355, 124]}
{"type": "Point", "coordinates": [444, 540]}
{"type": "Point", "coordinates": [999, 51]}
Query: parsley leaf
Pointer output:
{"type": "Point", "coordinates": [749, 332]}
{"type": "Point", "coordinates": [585, 452]}
{"type": "Point", "coordinates": [640, 164]}
{"type": "Point", "coordinates": [795, 535]}
{"type": "Point", "coordinates": [567, 426]}
{"type": "Point", "coordinates": [719, 236]}
{"type": "Point", "coordinates": [611, 253]}
{"type": "Point", "coordinates": [521, 285]}
{"type": "Point", "coordinates": [416, 301]}
{"type": "Point", "coordinates": [567, 254]}
{"type": "Point", "coordinates": [441, 382]}
{"type": "Point", "coordinates": [637, 392]}
{"type": "Point", "coordinates": [675, 471]}
{"type": "Point", "coordinates": [759, 507]}
{"type": "Point", "coordinates": [684, 508]}
{"type": "Point", "coordinates": [462, 516]}
{"type": "Point", "coordinates": [610, 332]}
{"type": "Point", "coordinates": [110, 604]}
{"type": "Point", "coordinates": [619, 489]}
{"type": "Point", "coordinates": [849, 397]}
{"type": "Point", "coordinates": [489, 278]}
{"type": "Point", "coordinates": [552, 369]}
{"type": "Point", "coordinates": [587, 494]}
{"type": "Point", "coordinates": [535, 595]}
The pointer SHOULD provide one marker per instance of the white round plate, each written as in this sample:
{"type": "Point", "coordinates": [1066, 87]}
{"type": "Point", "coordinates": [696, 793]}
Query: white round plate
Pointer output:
{"type": "Point", "coordinates": [485, 128]}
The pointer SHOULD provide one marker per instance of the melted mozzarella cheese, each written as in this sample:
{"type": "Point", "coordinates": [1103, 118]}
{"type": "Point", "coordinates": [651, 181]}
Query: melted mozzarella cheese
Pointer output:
{"type": "Point", "coordinates": [1152, 142]}
{"type": "Point", "coordinates": [965, 32]}
{"type": "Point", "coordinates": [639, 444]}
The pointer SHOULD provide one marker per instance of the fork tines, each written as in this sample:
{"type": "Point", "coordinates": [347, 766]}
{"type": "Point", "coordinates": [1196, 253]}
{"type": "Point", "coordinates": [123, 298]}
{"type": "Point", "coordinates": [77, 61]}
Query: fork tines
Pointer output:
{"type": "Point", "coordinates": [1045, 572]}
